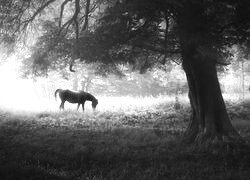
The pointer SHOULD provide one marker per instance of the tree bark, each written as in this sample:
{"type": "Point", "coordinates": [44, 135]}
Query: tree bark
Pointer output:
{"type": "Point", "coordinates": [209, 120]}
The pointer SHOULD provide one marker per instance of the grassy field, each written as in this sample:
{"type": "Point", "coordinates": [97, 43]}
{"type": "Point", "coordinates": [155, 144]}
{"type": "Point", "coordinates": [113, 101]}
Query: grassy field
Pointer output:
{"type": "Point", "coordinates": [127, 139]}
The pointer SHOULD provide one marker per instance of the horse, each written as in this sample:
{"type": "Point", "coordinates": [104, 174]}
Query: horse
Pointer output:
{"type": "Point", "coordinates": [75, 97]}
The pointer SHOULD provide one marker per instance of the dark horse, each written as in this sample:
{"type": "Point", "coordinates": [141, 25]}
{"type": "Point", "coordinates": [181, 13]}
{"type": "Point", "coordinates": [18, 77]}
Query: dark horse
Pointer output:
{"type": "Point", "coordinates": [75, 97]}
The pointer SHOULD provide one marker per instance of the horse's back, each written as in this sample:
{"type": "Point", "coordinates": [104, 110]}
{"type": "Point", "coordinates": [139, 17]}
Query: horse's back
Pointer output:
{"type": "Point", "coordinates": [70, 96]}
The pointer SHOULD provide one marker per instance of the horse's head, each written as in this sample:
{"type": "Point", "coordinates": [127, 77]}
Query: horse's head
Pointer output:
{"type": "Point", "coordinates": [94, 103]}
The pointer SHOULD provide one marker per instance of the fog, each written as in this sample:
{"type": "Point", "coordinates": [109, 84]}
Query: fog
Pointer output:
{"type": "Point", "coordinates": [17, 93]}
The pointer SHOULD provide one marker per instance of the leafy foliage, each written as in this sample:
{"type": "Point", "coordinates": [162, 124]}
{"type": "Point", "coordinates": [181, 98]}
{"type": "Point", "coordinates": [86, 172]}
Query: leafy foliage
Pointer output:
{"type": "Point", "coordinates": [114, 32]}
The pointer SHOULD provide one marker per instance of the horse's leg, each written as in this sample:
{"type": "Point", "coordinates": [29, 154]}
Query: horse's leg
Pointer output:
{"type": "Point", "coordinates": [62, 105]}
{"type": "Point", "coordinates": [78, 105]}
{"type": "Point", "coordinates": [83, 106]}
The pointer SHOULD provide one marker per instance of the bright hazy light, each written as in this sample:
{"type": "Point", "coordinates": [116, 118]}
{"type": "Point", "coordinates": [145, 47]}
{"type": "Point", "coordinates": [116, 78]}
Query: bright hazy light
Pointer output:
{"type": "Point", "coordinates": [17, 93]}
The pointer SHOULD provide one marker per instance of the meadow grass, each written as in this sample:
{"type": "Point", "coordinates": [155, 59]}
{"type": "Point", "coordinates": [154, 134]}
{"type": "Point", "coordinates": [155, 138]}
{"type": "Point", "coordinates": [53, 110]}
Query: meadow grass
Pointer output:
{"type": "Point", "coordinates": [127, 138]}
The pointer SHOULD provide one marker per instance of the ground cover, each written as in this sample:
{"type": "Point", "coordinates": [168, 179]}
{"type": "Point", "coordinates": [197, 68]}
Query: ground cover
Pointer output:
{"type": "Point", "coordinates": [124, 143]}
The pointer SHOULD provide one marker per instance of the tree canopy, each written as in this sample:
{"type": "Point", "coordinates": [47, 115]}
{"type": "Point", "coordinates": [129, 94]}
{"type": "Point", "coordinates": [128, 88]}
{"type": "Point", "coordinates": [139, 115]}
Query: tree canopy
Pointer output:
{"type": "Point", "coordinates": [117, 31]}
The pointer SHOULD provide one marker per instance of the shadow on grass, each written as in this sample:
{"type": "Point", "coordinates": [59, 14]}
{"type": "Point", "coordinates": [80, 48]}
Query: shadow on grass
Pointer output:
{"type": "Point", "coordinates": [29, 149]}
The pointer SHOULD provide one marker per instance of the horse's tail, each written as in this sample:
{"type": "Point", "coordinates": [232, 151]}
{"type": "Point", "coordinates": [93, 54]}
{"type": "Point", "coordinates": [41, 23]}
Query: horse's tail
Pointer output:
{"type": "Point", "coordinates": [58, 90]}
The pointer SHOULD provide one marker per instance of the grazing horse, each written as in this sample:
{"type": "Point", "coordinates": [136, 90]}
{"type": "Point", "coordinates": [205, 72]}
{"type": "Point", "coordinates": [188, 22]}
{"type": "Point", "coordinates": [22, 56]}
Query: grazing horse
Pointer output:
{"type": "Point", "coordinates": [75, 97]}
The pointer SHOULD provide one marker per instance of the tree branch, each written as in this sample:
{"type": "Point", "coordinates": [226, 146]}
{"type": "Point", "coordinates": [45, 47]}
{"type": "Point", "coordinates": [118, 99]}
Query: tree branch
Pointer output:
{"type": "Point", "coordinates": [38, 11]}
{"type": "Point", "coordinates": [71, 65]}
{"type": "Point", "coordinates": [61, 12]}
{"type": "Point", "coordinates": [85, 25]}
{"type": "Point", "coordinates": [75, 20]}
{"type": "Point", "coordinates": [222, 63]}
{"type": "Point", "coordinates": [156, 49]}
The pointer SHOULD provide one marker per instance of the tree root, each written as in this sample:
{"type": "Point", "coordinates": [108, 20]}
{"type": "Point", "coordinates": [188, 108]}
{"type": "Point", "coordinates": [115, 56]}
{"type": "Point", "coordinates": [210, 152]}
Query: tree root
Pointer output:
{"type": "Point", "coordinates": [216, 144]}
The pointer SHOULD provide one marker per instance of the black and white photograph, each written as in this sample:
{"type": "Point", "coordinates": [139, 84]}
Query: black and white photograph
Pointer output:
{"type": "Point", "coordinates": [124, 89]}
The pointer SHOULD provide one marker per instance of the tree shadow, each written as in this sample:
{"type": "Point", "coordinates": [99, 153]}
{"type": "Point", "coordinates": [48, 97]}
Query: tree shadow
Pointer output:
{"type": "Point", "coordinates": [29, 149]}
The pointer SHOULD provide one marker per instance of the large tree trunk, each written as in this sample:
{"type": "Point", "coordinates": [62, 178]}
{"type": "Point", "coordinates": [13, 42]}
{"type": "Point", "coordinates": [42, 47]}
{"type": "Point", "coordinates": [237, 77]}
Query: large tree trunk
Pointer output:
{"type": "Point", "coordinates": [209, 120]}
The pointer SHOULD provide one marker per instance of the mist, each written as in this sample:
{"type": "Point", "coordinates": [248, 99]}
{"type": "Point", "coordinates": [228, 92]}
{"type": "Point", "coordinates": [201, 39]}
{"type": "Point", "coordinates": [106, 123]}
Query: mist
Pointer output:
{"type": "Point", "coordinates": [20, 94]}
